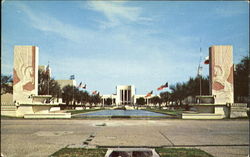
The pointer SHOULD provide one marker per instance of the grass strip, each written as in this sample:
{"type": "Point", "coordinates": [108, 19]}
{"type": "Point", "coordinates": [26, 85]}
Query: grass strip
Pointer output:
{"type": "Point", "coordinates": [79, 152]}
{"type": "Point", "coordinates": [100, 152]}
{"type": "Point", "coordinates": [183, 152]}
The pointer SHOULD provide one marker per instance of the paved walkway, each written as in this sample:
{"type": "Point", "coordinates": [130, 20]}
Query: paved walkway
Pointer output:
{"type": "Point", "coordinates": [221, 138]}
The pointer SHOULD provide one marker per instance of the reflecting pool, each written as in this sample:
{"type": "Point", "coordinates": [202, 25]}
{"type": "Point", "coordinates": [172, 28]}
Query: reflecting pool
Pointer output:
{"type": "Point", "coordinates": [123, 113]}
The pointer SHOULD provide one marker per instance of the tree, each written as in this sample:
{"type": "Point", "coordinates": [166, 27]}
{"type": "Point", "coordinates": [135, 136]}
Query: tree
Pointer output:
{"type": "Point", "coordinates": [77, 95]}
{"type": "Point", "coordinates": [193, 86]}
{"type": "Point", "coordinates": [190, 88]}
{"type": "Point", "coordinates": [84, 97]}
{"type": "Point", "coordinates": [241, 80]}
{"type": "Point", "coordinates": [156, 100]}
{"type": "Point", "coordinates": [95, 99]}
{"type": "Point", "coordinates": [44, 82]}
{"type": "Point", "coordinates": [67, 93]}
{"type": "Point", "coordinates": [178, 92]}
{"type": "Point", "coordinates": [6, 84]}
{"type": "Point", "coordinates": [141, 101]}
{"type": "Point", "coordinates": [108, 101]}
{"type": "Point", "coordinates": [165, 97]}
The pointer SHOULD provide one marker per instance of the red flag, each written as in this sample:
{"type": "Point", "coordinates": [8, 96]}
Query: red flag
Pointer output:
{"type": "Point", "coordinates": [149, 94]}
{"type": "Point", "coordinates": [163, 86]}
{"type": "Point", "coordinates": [160, 88]}
{"type": "Point", "coordinates": [206, 60]}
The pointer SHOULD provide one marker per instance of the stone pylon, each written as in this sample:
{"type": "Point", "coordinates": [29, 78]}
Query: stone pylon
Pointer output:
{"type": "Point", "coordinates": [25, 73]}
{"type": "Point", "coordinates": [221, 70]}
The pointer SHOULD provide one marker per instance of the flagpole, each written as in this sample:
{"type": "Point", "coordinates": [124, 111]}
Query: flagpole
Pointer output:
{"type": "Point", "coordinates": [199, 68]}
{"type": "Point", "coordinates": [73, 95]}
{"type": "Point", "coordinates": [72, 77]}
{"type": "Point", "coordinates": [200, 86]}
{"type": "Point", "coordinates": [48, 76]}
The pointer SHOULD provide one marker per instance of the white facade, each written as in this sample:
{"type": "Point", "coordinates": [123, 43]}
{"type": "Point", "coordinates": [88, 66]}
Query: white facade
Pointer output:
{"type": "Point", "coordinates": [125, 95]}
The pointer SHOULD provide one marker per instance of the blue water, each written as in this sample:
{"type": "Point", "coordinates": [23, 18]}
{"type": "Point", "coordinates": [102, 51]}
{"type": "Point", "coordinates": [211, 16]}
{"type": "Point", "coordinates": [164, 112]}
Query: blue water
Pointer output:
{"type": "Point", "coordinates": [123, 113]}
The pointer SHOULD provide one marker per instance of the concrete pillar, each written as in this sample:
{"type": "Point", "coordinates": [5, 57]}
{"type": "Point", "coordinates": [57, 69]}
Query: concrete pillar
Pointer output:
{"type": "Point", "coordinates": [126, 96]}
{"type": "Point", "coordinates": [123, 96]}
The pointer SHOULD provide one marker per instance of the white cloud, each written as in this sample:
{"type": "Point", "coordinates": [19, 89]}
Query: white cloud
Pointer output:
{"type": "Point", "coordinates": [117, 13]}
{"type": "Point", "coordinates": [128, 54]}
{"type": "Point", "coordinates": [47, 23]}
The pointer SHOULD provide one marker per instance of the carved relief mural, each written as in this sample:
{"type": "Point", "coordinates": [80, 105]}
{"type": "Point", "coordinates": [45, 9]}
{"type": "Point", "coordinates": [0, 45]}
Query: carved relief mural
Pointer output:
{"type": "Point", "coordinates": [24, 73]}
{"type": "Point", "coordinates": [221, 73]}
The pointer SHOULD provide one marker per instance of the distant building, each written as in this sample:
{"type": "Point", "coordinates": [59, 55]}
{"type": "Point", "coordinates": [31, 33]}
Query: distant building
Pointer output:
{"type": "Point", "coordinates": [64, 83]}
{"type": "Point", "coordinates": [125, 95]}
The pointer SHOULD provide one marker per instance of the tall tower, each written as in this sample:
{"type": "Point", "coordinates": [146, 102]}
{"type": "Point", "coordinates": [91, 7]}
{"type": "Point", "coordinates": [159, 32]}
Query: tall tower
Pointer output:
{"type": "Point", "coordinates": [221, 73]}
{"type": "Point", "coordinates": [25, 73]}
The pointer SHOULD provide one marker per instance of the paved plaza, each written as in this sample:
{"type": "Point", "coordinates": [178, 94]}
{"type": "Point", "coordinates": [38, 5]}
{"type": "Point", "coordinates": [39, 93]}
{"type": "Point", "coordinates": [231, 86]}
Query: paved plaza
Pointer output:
{"type": "Point", "coordinates": [35, 138]}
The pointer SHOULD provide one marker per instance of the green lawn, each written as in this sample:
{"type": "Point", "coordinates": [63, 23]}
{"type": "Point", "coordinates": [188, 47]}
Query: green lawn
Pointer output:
{"type": "Point", "coordinates": [83, 111]}
{"type": "Point", "coordinates": [163, 152]}
{"type": "Point", "coordinates": [79, 152]}
{"type": "Point", "coordinates": [182, 152]}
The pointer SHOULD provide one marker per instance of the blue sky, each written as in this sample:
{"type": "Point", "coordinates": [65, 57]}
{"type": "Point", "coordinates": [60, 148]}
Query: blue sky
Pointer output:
{"type": "Point", "coordinates": [104, 44]}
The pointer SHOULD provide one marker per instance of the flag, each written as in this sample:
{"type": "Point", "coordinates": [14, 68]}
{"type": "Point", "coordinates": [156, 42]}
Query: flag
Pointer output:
{"type": "Point", "coordinates": [47, 70]}
{"type": "Point", "coordinates": [80, 85]}
{"type": "Point", "coordinates": [94, 92]}
{"type": "Point", "coordinates": [199, 73]}
{"type": "Point", "coordinates": [163, 86]}
{"type": "Point", "coordinates": [85, 86]}
{"type": "Point", "coordinates": [72, 77]}
{"type": "Point", "coordinates": [149, 94]}
{"type": "Point", "coordinates": [160, 88]}
{"type": "Point", "coordinates": [206, 60]}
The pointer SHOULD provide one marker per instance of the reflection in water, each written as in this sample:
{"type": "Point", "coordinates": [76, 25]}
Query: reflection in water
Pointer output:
{"type": "Point", "coordinates": [124, 113]}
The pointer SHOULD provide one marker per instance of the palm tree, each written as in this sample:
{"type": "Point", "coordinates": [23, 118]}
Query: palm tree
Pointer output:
{"type": "Point", "coordinates": [48, 86]}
